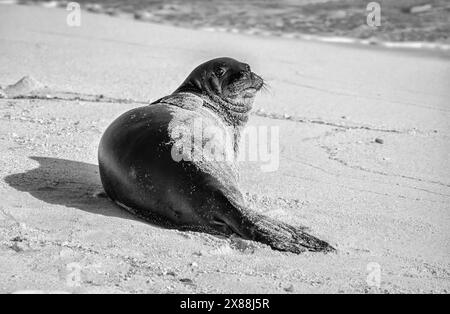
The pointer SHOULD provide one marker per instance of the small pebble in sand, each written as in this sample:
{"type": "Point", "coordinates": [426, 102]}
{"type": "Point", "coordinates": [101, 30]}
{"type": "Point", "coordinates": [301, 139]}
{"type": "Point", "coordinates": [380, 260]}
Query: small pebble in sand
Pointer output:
{"type": "Point", "coordinates": [379, 140]}
{"type": "Point", "coordinates": [99, 97]}
{"type": "Point", "coordinates": [289, 288]}
{"type": "Point", "coordinates": [187, 281]}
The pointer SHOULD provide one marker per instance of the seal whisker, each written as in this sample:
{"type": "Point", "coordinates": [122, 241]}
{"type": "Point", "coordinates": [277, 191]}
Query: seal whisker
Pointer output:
{"type": "Point", "coordinates": [265, 87]}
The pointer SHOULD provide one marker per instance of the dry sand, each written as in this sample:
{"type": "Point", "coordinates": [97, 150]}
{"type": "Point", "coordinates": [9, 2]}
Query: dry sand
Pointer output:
{"type": "Point", "coordinates": [377, 203]}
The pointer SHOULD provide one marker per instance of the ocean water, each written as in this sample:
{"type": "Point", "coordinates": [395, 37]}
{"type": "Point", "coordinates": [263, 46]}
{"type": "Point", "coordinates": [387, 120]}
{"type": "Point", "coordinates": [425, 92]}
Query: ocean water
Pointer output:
{"type": "Point", "coordinates": [399, 21]}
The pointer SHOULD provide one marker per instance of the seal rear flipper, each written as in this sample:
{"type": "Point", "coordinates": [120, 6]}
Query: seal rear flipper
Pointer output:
{"type": "Point", "coordinates": [284, 237]}
{"type": "Point", "coordinates": [235, 217]}
{"type": "Point", "coordinates": [278, 235]}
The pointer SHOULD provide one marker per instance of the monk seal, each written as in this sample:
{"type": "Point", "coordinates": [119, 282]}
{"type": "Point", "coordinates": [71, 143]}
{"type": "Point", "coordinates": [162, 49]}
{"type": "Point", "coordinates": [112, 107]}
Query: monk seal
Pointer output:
{"type": "Point", "coordinates": [146, 169]}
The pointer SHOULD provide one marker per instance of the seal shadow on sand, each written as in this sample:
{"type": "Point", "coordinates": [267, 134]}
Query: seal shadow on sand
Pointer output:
{"type": "Point", "coordinates": [68, 183]}
{"type": "Point", "coordinates": [75, 184]}
{"type": "Point", "coordinates": [72, 184]}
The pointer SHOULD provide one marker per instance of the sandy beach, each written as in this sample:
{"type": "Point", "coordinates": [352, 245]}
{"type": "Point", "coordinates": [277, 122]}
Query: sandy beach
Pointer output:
{"type": "Point", "coordinates": [364, 161]}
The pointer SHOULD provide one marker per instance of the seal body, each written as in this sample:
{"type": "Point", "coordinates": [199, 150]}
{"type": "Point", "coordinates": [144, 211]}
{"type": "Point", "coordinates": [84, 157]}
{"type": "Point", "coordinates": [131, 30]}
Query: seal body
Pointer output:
{"type": "Point", "coordinates": [172, 162]}
{"type": "Point", "coordinates": [143, 167]}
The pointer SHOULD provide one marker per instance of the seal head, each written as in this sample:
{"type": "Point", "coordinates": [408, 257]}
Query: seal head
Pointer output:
{"type": "Point", "coordinates": [228, 86]}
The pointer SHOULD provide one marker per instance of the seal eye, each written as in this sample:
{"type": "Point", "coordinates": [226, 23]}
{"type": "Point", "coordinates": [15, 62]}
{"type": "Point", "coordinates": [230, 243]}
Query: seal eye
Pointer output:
{"type": "Point", "coordinates": [219, 72]}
